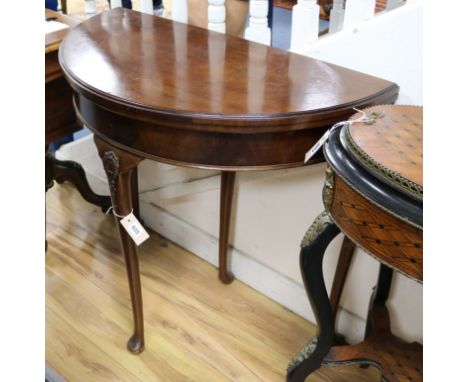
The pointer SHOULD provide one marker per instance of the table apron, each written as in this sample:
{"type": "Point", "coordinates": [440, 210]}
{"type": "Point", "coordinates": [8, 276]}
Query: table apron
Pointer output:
{"type": "Point", "coordinates": [198, 148]}
{"type": "Point", "coordinates": [393, 241]}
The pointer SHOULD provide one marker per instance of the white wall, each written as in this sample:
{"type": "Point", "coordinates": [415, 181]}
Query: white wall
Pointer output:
{"type": "Point", "coordinates": [388, 46]}
{"type": "Point", "coordinates": [273, 210]}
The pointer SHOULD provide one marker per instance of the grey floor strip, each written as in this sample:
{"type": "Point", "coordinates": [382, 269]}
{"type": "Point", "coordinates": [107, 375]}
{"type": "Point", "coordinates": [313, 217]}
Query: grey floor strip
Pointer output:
{"type": "Point", "coordinates": [51, 375]}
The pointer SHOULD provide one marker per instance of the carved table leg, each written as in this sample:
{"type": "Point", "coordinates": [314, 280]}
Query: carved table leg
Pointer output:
{"type": "Point", "coordinates": [49, 169]}
{"type": "Point", "coordinates": [49, 182]}
{"type": "Point", "coordinates": [227, 190]}
{"type": "Point", "coordinates": [62, 171]}
{"type": "Point", "coordinates": [120, 167]}
{"type": "Point", "coordinates": [313, 247]}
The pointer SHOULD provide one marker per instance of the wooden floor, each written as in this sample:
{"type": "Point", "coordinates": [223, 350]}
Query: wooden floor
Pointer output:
{"type": "Point", "coordinates": [196, 328]}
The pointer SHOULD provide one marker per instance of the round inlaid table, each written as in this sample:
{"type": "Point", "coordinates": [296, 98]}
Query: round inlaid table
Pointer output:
{"type": "Point", "coordinates": [373, 193]}
{"type": "Point", "coordinates": [151, 88]}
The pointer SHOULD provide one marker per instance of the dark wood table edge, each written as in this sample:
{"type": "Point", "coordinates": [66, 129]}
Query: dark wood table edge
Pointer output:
{"type": "Point", "coordinates": [230, 124]}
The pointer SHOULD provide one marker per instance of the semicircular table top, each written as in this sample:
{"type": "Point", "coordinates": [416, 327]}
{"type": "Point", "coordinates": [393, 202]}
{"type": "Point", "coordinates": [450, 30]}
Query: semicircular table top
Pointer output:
{"type": "Point", "coordinates": [165, 67]}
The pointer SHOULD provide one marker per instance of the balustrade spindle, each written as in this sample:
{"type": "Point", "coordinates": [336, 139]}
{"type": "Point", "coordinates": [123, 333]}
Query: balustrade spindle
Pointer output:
{"type": "Point", "coordinates": [115, 4]}
{"type": "Point", "coordinates": [258, 30]}
{"type": "Point", "coordinates": [336, 16]}
{"type": "Point", "coordinates": [146, 6]}
{"type": "Point", "coordinates": [358, 11]}
{"type": "Point", "coordinates": [180, 11]}
{"type": "Point", "coordinates": [90, 7]}
{"type": "Point", "coordinates": [305, 24]}
{"type": "Point", "coordinates": [217, 15]}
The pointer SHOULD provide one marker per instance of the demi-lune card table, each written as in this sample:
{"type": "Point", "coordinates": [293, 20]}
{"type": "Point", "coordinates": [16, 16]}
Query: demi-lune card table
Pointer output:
{"type": "Point", "coordinates": [373, 194]}
{"type": "Point", "coordinates": [151, 88]}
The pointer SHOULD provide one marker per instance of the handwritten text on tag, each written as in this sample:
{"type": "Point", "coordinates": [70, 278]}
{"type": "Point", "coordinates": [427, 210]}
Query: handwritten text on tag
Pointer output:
{"type": "Point", "coordinates": [134, 228]}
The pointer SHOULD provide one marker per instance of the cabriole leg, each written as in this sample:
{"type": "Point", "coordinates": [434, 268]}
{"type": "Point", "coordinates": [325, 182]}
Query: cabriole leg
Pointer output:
{"type": "Point", "coordinates": [313, 247]}
{"type": "Point", "coordinates": [120, 167]}
{"type": "Point", "coordinates": [227, 190]}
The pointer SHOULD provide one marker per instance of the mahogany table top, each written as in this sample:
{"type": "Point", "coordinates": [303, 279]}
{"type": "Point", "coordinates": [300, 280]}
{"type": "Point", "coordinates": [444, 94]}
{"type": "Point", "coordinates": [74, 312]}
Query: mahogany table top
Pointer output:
{"type": "Point", "coordinates": [391, 148]}
{"type": "Point", "coordinates": [188, 96]}
{"type": "Point", "coordinates": [169, 68]}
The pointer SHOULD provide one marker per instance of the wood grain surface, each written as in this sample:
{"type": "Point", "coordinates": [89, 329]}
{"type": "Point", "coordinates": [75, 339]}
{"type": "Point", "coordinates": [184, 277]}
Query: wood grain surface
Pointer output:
{"type": "Point", "coordinates": [184, 95]}
{"type": "Point", "coordinates": [395, 140]}
{"type": "Point", "coordinates": [393, 241]}
{"type": "Point", "coordinates": [197, 329]}
{"type": "Point", "coordinates": [166, 67]}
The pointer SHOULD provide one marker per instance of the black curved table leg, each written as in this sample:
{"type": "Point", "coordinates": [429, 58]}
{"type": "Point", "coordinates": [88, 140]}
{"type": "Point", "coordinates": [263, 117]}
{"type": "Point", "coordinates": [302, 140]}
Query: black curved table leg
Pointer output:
{"type": "Point", "coordinates": [313, 247]}
{"type": "Point", "coordinates": [62, 171]}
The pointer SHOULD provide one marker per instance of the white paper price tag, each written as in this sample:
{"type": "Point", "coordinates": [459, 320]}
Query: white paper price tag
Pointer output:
{"type": "Point", "coordinates": [134, 228]}
{"type": "Point", "coordinates": [309, 154]}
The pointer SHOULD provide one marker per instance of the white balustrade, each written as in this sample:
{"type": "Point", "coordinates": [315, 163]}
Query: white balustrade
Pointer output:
{"type": "Point", "coordinates": [146, 6]}
{"type": "Point", "coordinates": [336, 16]}
{"type": "Point", "coordinates": [258, 30]}
{"type": "Point", "coordinates": [90, 7]}
{"type": "Point", "coordinates": [305, 24]}
{"type": "Point", "coordinates": [115, 4]}
{"type": "Point", "coordinates": [358, 11]}
{"type": "Point", "coordinates": [217, 15]}
{"type": "Point", "coordinates": [180, 10]}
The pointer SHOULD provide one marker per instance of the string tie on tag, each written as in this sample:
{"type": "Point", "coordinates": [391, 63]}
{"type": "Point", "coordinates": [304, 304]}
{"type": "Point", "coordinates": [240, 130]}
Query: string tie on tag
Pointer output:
{"type": "Point", "coordinates": [363, 118]}
{"type": "Point", "coordinates": [111, 208]}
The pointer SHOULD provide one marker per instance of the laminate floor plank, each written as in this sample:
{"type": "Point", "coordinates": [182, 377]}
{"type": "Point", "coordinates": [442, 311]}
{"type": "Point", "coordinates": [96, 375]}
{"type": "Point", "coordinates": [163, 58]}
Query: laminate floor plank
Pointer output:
{"type": "Point", "coordinates": [70, 354]}
{"type": "Point", "coordinates": [196, 328]}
